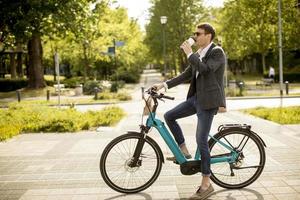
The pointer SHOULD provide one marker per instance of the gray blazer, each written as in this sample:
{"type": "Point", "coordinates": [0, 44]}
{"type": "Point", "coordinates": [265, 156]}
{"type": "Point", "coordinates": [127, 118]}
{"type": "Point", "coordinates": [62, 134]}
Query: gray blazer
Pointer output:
{"type": "Point", "coordinates": [208, 86]}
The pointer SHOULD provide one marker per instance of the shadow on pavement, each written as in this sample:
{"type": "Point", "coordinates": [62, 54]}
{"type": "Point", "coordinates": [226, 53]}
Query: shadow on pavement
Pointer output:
{"type": "Point", "coordinates": [228, 196]}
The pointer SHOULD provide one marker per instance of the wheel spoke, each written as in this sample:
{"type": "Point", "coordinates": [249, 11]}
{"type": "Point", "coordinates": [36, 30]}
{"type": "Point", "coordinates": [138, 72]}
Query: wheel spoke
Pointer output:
{"type": "Point", "coordinates": [249, 163]}
{"type": "Point", "coordinates": [115, 164]}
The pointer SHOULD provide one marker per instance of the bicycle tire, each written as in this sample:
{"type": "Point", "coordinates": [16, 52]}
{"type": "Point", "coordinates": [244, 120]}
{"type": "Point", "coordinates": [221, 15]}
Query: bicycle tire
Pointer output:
{"type": "Point", "coordinates": [249, 165]}
{"type": "Point", "coordinates": [150, 149]}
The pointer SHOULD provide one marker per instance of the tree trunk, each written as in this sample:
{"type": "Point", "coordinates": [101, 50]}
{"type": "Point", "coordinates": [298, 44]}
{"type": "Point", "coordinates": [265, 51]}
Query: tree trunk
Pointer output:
{"type": "Point", "coordinates": [174, 63]}
{"type": "Point", "coordinates": [183, 62]}
{"type": "Point", "coordinates": [19, 65]}
{"type": "Point", "coordinates": [85, 69]}
{"type": "Point", "coordinates": [263, 60]}
{"type": "Point", "coordinates": [54, 71]}
{"type": "Point", "coordinates": [13, 72]}
{"type": "Point", "coordinates": [35, 70]}
{"type": "Point", "coordinates": [26, 66]}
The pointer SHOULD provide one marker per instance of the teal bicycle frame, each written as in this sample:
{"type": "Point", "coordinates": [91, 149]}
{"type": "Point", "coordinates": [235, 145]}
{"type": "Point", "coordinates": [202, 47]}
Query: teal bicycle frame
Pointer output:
{"type": "Point", "coordinates": [161, 128]}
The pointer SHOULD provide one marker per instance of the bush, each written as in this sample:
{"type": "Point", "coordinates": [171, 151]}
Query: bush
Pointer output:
{"type": "Point", "coordinates": [7, 85]}
{"type": "Point", "coordinates": [291, 77]}
{"type": "Point", "coordinates": [89, 87]}
{"type": "Point", "coordinates": [34, 119]}
{"type": "Point", "coordinates": [8, 131]}
{"type": "Point", "coordinates": [73, 82]}
{"type": "Point", "coordinates": [116, 85]}
{"type": "Point", "coordinates": [123, 97]}
{"type": "Point", "coordinates": [285, 115]}
{"type": "Point", "coordinates": [119, 96]}
{"type": "Point", "coordinates": [127, 75]}
{"type": "Point", "coordinates": [108, 116]}
{"type": "Point", "coordinates": [50, 82]}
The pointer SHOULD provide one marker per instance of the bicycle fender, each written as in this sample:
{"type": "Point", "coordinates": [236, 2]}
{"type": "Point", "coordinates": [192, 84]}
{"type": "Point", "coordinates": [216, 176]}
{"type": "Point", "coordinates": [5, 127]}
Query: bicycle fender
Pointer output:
{"type": "Point", "coordinates": [161, 155]}
{"type": "Point", "coordinates": [263, 142]}
{"type": "Point", "coordinates": [238, 128]}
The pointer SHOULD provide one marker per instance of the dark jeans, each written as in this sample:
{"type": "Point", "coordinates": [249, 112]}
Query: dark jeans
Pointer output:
{"type": "Point", "coordinates": [205, 118]}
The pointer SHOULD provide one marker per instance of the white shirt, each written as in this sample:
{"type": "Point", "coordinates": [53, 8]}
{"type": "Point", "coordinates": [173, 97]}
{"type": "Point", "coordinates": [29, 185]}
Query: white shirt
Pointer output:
{"type": "Point", "coordinates": [201, 52]}
{"type": "Point", "coordinates": [271, 72]}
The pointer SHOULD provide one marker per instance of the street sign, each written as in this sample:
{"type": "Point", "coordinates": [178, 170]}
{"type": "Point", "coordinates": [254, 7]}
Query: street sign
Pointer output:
{"type": "Point", "coordinates": [119, 43]}
{"type": "Point", "coordinates": [111, 50]}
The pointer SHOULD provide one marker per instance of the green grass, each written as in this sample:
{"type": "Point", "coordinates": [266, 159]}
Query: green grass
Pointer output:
{"type": "Point", "coordinates": [105, 97]}
{"type": "Point", "coordinates": [25, 92]}
{"type": "Point", "coordinates": [51, 77]}
{"type": "Point", "coordinates": [39, 118]}
{"type": "Point", "coordinates": [285, 115]}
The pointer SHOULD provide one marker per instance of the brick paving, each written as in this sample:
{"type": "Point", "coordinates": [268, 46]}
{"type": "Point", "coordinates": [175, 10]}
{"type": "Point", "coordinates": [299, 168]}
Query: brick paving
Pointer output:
{"type": "Point", "coordinates": [66, 166]}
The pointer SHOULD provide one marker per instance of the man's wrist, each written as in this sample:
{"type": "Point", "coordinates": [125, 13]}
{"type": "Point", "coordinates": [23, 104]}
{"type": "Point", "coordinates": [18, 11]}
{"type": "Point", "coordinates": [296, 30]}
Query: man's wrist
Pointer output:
{"type": "Point", "coordinates": [188, 55]}
{"type": "Point", "coordinates": [165, 86]}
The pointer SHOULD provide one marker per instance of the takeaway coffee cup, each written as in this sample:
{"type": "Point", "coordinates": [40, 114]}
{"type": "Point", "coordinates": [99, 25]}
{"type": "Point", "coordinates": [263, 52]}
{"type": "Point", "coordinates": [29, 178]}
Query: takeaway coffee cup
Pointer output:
{"type": "Point", "coordinates": [191, 41]}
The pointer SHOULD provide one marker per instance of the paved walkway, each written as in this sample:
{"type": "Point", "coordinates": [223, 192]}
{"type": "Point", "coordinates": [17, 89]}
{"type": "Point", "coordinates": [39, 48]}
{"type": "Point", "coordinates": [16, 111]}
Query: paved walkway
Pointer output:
{"type": "Point", "coordinates": [66, 166]}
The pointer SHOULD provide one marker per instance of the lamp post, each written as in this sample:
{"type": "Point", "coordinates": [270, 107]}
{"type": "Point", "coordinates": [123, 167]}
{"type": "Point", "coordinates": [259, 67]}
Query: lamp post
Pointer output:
{"type": "Point", "coordinates": [163, 21]}
{"type": "Point", "coordinates": [280, 49]}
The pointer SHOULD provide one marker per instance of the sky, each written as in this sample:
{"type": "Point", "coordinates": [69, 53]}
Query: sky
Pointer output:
{"type": "Point", "coordinates": [138, 9]}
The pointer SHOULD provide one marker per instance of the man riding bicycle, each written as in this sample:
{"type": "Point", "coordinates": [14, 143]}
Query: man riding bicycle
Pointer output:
{"type": "Point", "coordinates": [205, 96]}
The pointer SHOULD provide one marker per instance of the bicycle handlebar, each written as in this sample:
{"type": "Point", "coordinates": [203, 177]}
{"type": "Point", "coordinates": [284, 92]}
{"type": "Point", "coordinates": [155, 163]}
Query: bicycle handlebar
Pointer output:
{"type": "Point", "coordinates": [168, 97]}
{"type": "Point", "coordinates": [154, 94]}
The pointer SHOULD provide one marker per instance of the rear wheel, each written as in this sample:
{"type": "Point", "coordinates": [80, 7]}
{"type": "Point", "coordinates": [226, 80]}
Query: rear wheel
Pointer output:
{"type": "Point", "coordinates": [250, 161]}
{"type": "Point", "coordinates": [116, 168]}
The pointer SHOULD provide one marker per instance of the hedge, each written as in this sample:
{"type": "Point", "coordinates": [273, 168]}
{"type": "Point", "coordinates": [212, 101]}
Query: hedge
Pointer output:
{"type": "Point", "coordinates": [7, 85]}
{"type": "Point", "coordinates": [291, 77]}
{"type": "Point", "coordinates": [34, 119]}
{"type": "Point", "coordinates": [285, 115]}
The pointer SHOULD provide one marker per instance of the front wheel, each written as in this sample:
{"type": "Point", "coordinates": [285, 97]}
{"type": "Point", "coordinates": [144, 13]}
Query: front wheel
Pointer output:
{"type": "Point", "coordinates": [249, 163]}
{"type": "Point", "coordinates": [116, 168]}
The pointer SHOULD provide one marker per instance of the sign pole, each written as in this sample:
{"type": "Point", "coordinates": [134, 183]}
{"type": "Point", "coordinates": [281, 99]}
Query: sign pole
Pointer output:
{"type": "Point", "coordinates": [57, 73]}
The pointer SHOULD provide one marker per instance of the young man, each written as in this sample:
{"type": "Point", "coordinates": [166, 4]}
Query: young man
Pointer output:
{"type": "Point", "coordinates": [205, 96]}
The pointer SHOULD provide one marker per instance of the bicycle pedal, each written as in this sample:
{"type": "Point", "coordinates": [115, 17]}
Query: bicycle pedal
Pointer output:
{"type": "Point", "coordinates": [176, 162]}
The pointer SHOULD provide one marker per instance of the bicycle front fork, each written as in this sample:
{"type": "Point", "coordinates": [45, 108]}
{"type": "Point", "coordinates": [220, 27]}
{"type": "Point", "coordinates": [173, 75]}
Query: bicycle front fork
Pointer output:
{"type": "Point", "coordinates": [135, 161]}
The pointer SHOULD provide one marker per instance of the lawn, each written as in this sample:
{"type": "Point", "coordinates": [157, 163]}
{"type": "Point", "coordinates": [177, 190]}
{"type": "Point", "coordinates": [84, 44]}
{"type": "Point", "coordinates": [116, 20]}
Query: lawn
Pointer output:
{"type": "Point", "coordinates": [285, 115]}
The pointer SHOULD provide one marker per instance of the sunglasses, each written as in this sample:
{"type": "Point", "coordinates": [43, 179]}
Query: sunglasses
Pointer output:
{"type": "Point", "coordinates": [198, 33]}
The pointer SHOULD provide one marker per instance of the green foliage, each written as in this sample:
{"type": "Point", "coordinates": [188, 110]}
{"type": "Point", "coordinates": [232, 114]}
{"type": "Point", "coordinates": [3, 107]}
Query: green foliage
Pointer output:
{"type": "Point", "coordinates": [123, 97]}
{"type": "Point", "coordinates": [116, 85]}
{"type": "Point", "coordinates": [128, 75]}
{"type": "Point", "coordinates": [285, 115]}
{"type": "Point", "coordinates": [108, 116]}
{"type": "Point", "coordinates": [73, 82]}
{"type": "Point", "coordinates": [183, 16]}
{"type": "Point", "coordinates": [89, 87]}
{"type": "Point", "coordinates": [249, 27]}
{"type": "Point", "coordinates": [119, 96]}
{"type": "Point", "coordinates": [291, 77]}
{"type": "Point", "coordinates": [8, 131]}
{"type": "Point", "coordinates": [7, 85]}
{"type": "Point", "coordinates": [22, 119]}
{"type": "Point", "coordinates": [85, 46]}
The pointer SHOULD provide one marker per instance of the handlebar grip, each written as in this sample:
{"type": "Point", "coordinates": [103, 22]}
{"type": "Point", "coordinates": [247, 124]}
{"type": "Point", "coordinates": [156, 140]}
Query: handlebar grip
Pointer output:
{"type": "Point", "coordinates": [167, 97]}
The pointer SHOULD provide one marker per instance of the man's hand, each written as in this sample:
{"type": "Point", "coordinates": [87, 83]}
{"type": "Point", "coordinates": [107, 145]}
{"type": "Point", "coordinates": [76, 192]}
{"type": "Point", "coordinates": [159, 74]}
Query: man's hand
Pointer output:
{"type": "Point", "coordinates": [185, 46]}
{"type": "Point", "coordinates": [158, 86]}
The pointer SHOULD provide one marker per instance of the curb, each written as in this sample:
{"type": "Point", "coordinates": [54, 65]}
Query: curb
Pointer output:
{"type": "Point", "coordinates": [261, 97]}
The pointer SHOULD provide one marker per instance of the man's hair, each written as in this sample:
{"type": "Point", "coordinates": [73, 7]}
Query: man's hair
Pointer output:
{"type": "Point", "coordinates": [209, 29]}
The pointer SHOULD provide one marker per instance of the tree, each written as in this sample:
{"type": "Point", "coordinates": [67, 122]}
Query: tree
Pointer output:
{"type": "Point", "coordinates": [104, 25]}
{"type": "Point", "coordinates": [30, 20]}
{"type": "Point", "coordinates": [183, 16]}
{"type": "Point", "coordinates": [250, 27]}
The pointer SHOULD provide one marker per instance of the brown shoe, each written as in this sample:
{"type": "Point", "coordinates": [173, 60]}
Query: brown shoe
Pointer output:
{"type": "Point", "coordinates": [203, 194]}
{"type": "Point", "coordinates": [187, 156]}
